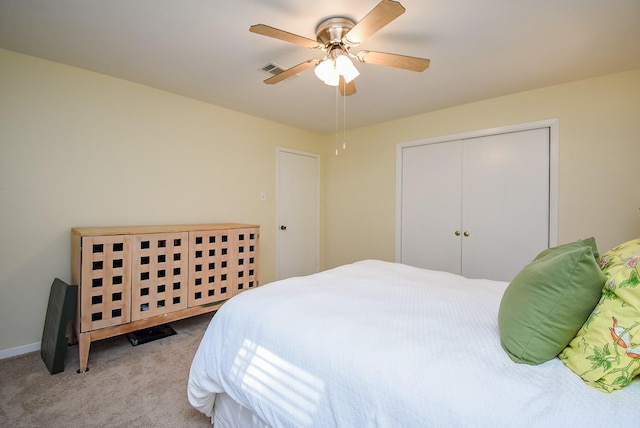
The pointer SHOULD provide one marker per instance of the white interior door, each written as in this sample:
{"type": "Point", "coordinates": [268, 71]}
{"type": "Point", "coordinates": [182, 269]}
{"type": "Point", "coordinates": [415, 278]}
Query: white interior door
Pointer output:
{"type": "Point", "coordinates": [431, 205]}
{"type": "Point", "coordinates": [505, 194]}
{"type": "Point", "coordinates": [298, 213]}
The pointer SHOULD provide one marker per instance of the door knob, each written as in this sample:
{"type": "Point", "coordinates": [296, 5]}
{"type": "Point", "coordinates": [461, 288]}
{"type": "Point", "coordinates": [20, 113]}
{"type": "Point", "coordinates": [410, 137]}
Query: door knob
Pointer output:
{"type": "Point", "coordinates": [466, 233]}
{"type": "Point", "coordinates": [457, 233]}
{"type": "Point", "coordinates": [283, 227]}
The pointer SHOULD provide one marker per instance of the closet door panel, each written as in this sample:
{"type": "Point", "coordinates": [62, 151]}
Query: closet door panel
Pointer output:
{"type": "Point", "coordinates": [505, 208]}
{"type": "Point", "coordinates": [431, 204]}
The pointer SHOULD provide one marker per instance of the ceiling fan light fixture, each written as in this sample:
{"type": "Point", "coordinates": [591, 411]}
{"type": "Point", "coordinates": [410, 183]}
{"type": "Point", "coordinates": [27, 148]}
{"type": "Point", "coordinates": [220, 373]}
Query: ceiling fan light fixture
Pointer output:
{"type": "Point", "coordinates": [326, 71]}
{"type": "Point", "coordinates": [329, 70]}
{"type": "Point", "coordinates": [346, 68]}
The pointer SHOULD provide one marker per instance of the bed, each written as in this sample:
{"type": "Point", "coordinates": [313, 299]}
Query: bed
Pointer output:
{"type": "Point", "coordinates": [381, 344]}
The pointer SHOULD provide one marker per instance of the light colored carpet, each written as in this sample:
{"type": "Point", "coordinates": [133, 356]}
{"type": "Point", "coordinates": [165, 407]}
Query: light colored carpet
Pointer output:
{"type": "Point", "coordinates": [126, 386]}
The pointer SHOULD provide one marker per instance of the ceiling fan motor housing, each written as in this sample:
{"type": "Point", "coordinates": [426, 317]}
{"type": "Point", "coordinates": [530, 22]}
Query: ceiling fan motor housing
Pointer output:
{"type": "Point", "coordinates": [331, 31]}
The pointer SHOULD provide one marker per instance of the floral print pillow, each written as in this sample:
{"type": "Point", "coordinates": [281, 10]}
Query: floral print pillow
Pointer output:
{"type": "Point", "coordinates": [606, 350]}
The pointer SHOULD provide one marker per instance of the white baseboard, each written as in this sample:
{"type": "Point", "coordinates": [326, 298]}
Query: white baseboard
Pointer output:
{"type": "Point", "coordinates": [19, 350]}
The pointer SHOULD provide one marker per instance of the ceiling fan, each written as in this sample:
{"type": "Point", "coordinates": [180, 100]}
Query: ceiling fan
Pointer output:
{"type": "Point", "coordinates": [337, 36]}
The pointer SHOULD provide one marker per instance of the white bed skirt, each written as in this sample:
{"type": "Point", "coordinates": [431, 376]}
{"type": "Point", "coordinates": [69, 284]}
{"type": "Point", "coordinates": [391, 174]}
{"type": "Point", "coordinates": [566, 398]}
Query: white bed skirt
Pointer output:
{"type": "Point", "coordinates": [229, 414]}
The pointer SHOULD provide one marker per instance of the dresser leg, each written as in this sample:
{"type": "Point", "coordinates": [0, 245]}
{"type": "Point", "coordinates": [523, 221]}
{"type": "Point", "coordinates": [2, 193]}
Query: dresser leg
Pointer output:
{"type": "Point", "coordinates": [84, 342]}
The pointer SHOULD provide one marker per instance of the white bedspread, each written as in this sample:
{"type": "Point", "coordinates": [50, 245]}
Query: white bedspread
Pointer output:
{"type": "Point", "coordinates": [378, 344]}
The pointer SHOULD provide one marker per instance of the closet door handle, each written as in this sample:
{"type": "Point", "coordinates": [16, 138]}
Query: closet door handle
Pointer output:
{"type": "Point", "coordinates": [466, 233]}
{"type": "Point", "coordinates": [283, 227]}
{"type": "Point", "coordinates": [457, 232]}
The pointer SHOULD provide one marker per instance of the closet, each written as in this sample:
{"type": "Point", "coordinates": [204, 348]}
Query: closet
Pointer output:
{"type": "Point", "coordinates": [476, 206]}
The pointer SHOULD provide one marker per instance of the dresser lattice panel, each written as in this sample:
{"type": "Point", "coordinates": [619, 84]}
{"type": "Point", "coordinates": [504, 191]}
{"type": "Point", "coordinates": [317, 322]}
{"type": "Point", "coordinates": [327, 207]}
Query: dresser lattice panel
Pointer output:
{"type": "Point", "coordinates": [222, 264]}
{"type": "Point", "coordinates": [246, 260]}
{"type": "Point", "coordinates": [159, 280]}
{"type": "Point", "coordinates": [210, 258]}
{"type": "Point", "coordinates": [105, 288]}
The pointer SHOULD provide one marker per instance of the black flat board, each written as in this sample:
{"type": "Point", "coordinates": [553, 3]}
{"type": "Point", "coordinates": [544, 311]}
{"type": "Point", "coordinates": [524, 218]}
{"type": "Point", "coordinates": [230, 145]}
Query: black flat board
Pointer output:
{"type": "Point", "coordinates": [53, 348]}
{"type": "Point", "coordinates": [150, 334]}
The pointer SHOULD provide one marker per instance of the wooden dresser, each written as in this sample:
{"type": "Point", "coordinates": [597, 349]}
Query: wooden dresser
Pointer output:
{"type": "Point", "coordinates": [135, 277]}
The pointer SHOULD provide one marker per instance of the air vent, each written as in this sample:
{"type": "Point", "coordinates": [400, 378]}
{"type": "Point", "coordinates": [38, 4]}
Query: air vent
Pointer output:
{"type": "Point", "coordinates": [274, 69]}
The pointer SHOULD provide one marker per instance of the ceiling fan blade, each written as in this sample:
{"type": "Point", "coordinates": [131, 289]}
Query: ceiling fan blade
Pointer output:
{"type": "Point", "coordinates": [347, 89]}
{"type": "Point", "coordinates": [411, 63]}
{"type": "Point", "coordinates": [381, 15]}
{"type": "Point", "coordinates": [291, 71]}
{"type": "Point", "coordinates": [265, 30]}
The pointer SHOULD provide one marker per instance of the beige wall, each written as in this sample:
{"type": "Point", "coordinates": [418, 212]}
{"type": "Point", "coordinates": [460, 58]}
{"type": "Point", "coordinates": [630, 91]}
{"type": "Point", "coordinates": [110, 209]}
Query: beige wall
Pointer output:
{"type": "Point", "coordinates": [599, 169]}
{"type": "Point", "coordinates": [83, 149]}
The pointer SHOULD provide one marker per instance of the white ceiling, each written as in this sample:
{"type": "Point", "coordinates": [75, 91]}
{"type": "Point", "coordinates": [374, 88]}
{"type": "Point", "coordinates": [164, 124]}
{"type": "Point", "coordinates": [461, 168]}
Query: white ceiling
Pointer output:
{"type": "Point", "coordinates": [203, 49]}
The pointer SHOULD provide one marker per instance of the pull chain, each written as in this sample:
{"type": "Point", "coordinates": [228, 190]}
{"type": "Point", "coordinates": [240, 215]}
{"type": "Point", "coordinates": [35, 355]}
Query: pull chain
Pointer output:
{"type": "Point", "coordinates": [337, 105]}
{"type": "Point", "coordinates": [344, 118]}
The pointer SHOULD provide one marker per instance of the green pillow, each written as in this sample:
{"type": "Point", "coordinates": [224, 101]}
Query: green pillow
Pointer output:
{"type": "Point", "coordinates": [606, 350]}
{"type": "Point", "coordinates": [548, 301]}
{"type": "Point", "coordinates": [578, 244]}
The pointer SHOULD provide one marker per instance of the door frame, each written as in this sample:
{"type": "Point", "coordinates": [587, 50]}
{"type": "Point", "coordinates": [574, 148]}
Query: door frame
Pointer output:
{"type": "Point", "coordinates": [552, 124]}
{"type": "Point", "coordinates": [316, 156]}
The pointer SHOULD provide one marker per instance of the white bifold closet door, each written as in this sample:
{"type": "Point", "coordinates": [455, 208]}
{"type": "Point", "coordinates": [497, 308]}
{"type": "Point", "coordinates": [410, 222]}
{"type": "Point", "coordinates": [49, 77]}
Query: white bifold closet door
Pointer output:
{"type": "Point", "coordinates": [478, 207]}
